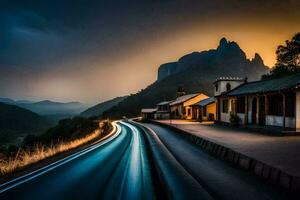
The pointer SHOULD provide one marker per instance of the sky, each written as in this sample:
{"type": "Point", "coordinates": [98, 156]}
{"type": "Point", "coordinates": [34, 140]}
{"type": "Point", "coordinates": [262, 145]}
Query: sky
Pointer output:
{"type": "Point", "coordinates": [93, 50]}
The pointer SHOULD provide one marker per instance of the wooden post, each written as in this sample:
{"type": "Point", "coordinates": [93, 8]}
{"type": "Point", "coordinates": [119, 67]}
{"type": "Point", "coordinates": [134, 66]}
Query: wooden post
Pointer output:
{"type": "Point", "coordinates": [246, 110]}
{"type": "Point", "coordinates": [257, 109]}
{"type": "Point", "coordinates": [266, 105]}
{"type": "Point", "coordinates": [218, 102]}
{"type": "Point", "coordinates": [266, 108]}
{"type": "Point", "coordinates": [295, 110]}
{"type": "Point", "coordinates": [283, 109]}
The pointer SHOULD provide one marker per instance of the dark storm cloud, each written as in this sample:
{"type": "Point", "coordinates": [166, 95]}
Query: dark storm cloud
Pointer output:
{"type": "Point", "coordinates": [51, 37]}
{"type": "Point", "coordinates": [41, 33]}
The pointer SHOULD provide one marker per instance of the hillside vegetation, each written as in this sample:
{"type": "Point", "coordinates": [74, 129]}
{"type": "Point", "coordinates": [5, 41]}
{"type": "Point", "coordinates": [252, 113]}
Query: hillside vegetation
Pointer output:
{"type": "Point", "coordinates": [16, 122]}
{"type": "Point", "coordinates": [98, 109]}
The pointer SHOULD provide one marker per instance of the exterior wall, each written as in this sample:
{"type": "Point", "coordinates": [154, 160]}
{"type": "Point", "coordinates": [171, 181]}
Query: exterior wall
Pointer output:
{"type": "Point", "coordinates": [242, 117]}
{"type": "Point", "coordinates": [272, 120]}
{"type": "Point", "coordinates": [178, 107]}
{"type": "Point", "coordinates": [210, 109]}
{"type": "Point", "coordinates": [250, 99]}
{"type": "Point", "coordinates": [187, 105]}
{"type": "Point", "coordinates": [298, 110]}
{"type": "Point", "coordinates": [222, 85]}
{"type": "Point", "coordinates": [147, 115]}
{"type": "Point", "coordinates": [162, 115]}
{"type": "Point", "coordinates": [188, 112]}
{"type": "Point", "coordinates": [225, 117]}
{"type": "Point", "coordinates": [290, 122]}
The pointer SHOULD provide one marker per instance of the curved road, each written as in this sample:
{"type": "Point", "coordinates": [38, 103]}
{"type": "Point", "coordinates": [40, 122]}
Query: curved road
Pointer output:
{"type": "Point", "coordinates": [114, 169]}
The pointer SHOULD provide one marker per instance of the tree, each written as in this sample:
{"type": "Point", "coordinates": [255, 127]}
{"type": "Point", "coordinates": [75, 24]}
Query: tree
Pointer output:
{"type": "Point", "coordinates": [288, 59]}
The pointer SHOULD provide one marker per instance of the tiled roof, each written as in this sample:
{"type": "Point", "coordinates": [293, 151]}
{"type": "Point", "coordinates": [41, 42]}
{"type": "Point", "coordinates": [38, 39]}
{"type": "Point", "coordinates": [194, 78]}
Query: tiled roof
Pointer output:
{"type": "Point", "coordinates": [183, 99]}
{"type": "Point", "coordinates": [164, 103]}
{"type": "Point", "coordinates": [273, 85]}
{"type": "Point", "coordinates": [148, 110]}
{"type": "Point", "coordinates": [230, 78]}
{"type": "Point", "coordinates": [205, 102]}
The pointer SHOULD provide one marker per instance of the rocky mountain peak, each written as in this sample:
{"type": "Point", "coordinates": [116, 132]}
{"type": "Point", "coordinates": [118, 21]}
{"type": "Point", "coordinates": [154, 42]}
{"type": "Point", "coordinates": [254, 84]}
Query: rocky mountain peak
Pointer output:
{"type": "Point", "coordinates": [227, 58]}
{"type": "Point", "coordinates": [223, 42]}
{"type": "Point", "coordinates": [257, 59]}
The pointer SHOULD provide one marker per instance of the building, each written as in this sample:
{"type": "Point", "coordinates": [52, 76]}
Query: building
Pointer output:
{"type": "Point", "coordinates": [273, 102]}
{"type": "Point", "coordinates": [163, 110]}
{"type": "Point", "coordinates": [222, 86]}
{"type": "Point", "coordinates": [148, 113]}
{"type": "Point", "coordinates": [205, 110]}
{"type": "Point", "coordinates": [181, 107]}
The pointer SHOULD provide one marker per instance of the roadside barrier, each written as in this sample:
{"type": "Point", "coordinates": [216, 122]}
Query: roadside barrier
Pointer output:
{"type": "Point", "coordinates": [269, 173]}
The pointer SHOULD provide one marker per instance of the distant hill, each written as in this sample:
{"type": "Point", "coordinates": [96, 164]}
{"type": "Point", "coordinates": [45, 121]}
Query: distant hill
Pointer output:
{"type": "Point", "coordinates": [196, 72]}
{"type": "Point", "coordinates": [12, 101]}
{"type": "Point", "coordinates": [47, 107]}
{"type": "Point", "coordinates": [16, 120]}
{"type": "Point", "coordinates": [53, 108]}
{"type": "Point", "coordinates": [98, 109]}
{"type": "Point", "coordinates": [7, 100]}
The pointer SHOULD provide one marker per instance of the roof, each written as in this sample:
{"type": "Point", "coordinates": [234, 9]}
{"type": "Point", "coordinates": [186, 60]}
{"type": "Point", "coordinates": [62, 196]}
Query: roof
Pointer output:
{"type": "Point", "coordinates": [266, 86]}
{"type": "Point", "coordinates": [164, 103]}
{"type": "Point", "coordinates": [183, 99]}
{"type": "Point", "coordinates": [148, 110]}
{"type": "Point", "coordinates": [205, 102]}
{"type": "Point", "coordinates": [230, 78]}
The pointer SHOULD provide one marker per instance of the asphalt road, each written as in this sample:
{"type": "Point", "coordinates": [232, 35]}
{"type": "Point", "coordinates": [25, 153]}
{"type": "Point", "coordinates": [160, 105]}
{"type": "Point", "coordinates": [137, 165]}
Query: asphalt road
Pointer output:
{"type": "Point", "coordinates": [220, 180]}
{"type": "Point", "coordinates": [114, 169]}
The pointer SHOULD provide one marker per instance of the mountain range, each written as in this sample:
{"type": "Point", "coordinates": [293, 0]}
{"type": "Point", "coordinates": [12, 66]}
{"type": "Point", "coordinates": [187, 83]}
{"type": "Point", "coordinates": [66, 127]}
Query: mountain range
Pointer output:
{"type": "Point", "coordinates": [195, 72]}
{"type": "Point", "coordinates": [47, 107]}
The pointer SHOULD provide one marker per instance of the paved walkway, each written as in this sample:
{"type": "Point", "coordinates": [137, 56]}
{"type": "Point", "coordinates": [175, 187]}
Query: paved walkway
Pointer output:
{"type": "Point", "coordinates": [282, 152]}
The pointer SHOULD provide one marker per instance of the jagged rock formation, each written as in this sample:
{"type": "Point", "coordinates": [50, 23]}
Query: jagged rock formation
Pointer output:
{"type": "Point", "coordinates": [195, 72]}
{"type": "Point", "coordinates": [229, 59]}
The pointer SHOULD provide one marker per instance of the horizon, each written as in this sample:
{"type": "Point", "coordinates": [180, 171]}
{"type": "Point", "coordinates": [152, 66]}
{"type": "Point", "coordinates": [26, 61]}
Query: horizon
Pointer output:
{"type": "Point", "coordinates": [85, 51]}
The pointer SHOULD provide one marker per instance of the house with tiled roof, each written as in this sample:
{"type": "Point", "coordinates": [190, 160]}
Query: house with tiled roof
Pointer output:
{"type": "Point", "coordinates": [274, 102]}
{"type": "Point", "coordinates": [181, 107]}
{"type": "Point", "coordinates": [163, 110]}
{"type": "Point", "coordinates": [205, 109]}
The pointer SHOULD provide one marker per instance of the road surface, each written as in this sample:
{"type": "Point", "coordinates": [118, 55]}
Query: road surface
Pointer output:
{"type": "Point", "coordinates": [114, 169]}
{"type": "Point", "coordinates": [219, 179]}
